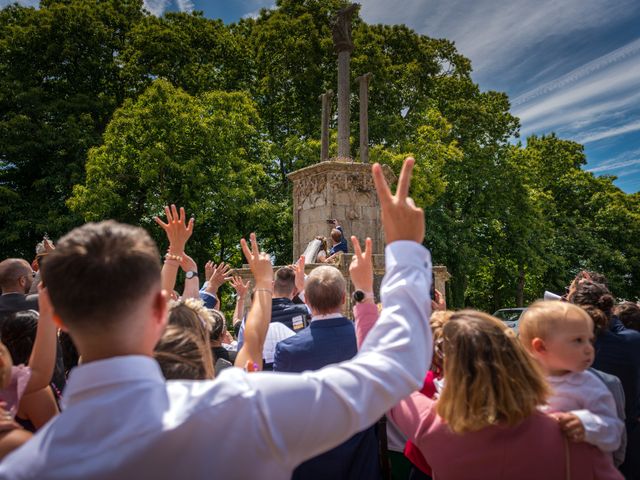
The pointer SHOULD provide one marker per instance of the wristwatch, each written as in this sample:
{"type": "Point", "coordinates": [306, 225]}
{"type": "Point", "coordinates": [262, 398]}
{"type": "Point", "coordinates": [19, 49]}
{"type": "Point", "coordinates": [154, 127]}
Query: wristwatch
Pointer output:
{"type": "Point", "coordinates": [360, 296]}
{"type": "Point", "coordinates": [190, 274]}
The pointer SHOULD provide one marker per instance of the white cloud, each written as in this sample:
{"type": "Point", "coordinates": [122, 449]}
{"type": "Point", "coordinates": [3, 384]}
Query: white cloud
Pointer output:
{"type": "Point", "coordinates": [185, 5]}
{"type": "Point", "coordinates": [602, 133]}
{"type": "Point", "coordinates": [607, 166]}
{"type": "Point", "coordinates": [494, 32]}
{"type": "Point", "coordinates": [156, 7]}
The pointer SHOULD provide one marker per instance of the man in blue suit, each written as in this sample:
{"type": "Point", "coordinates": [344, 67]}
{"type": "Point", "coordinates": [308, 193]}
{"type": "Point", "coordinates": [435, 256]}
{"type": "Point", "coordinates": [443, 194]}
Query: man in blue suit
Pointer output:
{"type": "Point", "coordinates": [330, 338]}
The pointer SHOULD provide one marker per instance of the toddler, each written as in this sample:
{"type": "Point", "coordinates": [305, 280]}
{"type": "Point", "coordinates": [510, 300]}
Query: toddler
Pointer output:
{"type": "Point", "coordinates": [559, 336]}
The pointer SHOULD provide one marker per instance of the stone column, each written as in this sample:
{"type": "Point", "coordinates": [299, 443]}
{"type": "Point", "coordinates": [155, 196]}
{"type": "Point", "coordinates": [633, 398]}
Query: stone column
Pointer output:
{"type": "Point", "coordinates": [343, 45]}
{"type": "Point", "coordinates": [364, 80]}
{"type": "Point", "coordinates": [326, 98]}
{"type": "Point", "coordinates": [344, 108]}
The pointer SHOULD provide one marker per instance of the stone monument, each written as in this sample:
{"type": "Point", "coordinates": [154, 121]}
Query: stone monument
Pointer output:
{"type": "Point", "coordinates": [338, 188]}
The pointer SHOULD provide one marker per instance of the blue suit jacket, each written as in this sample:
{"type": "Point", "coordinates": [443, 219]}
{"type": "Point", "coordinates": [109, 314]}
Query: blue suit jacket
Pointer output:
{"type": "Point", "coordinates": [322, 343]}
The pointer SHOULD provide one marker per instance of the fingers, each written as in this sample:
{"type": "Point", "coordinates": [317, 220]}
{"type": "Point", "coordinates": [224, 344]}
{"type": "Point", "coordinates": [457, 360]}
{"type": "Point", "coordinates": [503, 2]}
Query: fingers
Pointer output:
{"type": "Point", "coordinates": [405, 179]}
{"type": "Point", "coordinates": [192, 221]}
{"type": "Point", "coordinates": [245, 250]}
{"type": "Point", "coordinates": [254, 245]}
{"type": "Point", "coordinates": [167, 212]}
{"type": "Point", "coordinates": [356, 246]}
{"type": "Point", "coordinates": [160, 222]}
{"type": "Point", "coordinates": [183, 216]}
{"type": "Point", "coordinates": [368, 248]}
{"type": "Point", "coordinates": [174, 214]}
{"type": "Point", "coordinates": [382, 188]}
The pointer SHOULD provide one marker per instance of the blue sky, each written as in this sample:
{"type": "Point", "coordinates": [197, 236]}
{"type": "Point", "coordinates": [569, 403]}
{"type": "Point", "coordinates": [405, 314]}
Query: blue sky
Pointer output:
{"type": "Point", "coordinates": [569, 66]}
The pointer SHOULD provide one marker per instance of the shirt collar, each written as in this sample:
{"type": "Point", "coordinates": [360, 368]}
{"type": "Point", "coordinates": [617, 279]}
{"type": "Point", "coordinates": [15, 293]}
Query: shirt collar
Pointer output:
{"type": "Point", "coordinates": [111, 371]}
{"type": "Point", "coordinates": [327, 316]}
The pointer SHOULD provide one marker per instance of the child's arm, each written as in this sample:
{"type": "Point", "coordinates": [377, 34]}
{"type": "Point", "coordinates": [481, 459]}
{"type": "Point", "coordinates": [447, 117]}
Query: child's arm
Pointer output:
{"type": "Point", "coordinates": [43, 354]}
{"type": "Point", "coordinates": [599, 420]}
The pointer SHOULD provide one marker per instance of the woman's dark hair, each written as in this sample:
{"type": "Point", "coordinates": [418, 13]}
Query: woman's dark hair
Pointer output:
{"type": "Point", "coordinates": [629, 314]}
{"type": "Point", "coordinates": [18, 333]}
{"type": "Point", "coordinates": [597, 301]}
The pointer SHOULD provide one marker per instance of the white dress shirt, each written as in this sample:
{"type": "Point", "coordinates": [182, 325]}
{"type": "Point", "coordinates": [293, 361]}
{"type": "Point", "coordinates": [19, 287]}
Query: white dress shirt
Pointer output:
{"type": "Point", "coordinates": [122, 421]}
{"type": "Point", "coordinates": [587, 397]}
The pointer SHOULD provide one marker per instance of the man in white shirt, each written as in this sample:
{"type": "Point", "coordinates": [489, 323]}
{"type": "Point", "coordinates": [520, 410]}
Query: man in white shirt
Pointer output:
{"type": "Point", "coordinates": [120, 419]}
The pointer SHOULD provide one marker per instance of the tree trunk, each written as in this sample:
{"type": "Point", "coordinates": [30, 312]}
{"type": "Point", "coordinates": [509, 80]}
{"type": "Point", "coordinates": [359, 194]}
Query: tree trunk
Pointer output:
{"type": "Point", "coordinates": [520, 291]}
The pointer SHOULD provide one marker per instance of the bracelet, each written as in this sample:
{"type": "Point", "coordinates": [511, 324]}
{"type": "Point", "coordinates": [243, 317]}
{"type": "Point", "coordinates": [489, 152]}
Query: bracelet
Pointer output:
{"type": "Point", "coordinates": [263, 290]}
{"type": "Point", "coordinates": [170, 256]}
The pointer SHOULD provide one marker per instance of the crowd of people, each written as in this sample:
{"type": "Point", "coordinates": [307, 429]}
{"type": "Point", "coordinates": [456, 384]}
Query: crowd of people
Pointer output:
{"type": "Point", "coordinates": [108, 372]}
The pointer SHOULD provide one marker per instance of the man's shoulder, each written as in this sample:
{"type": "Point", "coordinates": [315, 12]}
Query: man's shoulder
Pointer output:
{"type": "Point", "coordinates": [15, 302]}
{"type": "Point", "coordinates": [301, 337]}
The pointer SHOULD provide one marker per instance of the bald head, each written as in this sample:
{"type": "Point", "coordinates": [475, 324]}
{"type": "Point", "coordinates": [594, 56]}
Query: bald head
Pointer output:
{"type": "Point", "coordinates": [325, 290]}
{"type": "Point", "coordinates": [16, 275]}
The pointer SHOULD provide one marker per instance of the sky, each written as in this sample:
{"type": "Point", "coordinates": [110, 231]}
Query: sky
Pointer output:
{"type": "Point", "coordinates": [569, 66]}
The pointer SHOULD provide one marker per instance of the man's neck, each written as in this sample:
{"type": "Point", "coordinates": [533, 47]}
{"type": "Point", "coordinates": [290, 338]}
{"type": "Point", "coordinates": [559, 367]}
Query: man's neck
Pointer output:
{"type": "Point", "coordinates": [15, 290]}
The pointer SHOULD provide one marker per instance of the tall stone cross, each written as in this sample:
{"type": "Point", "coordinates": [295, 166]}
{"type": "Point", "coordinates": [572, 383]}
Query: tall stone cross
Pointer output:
{"type": "Point", "coordinates": [343, 45]}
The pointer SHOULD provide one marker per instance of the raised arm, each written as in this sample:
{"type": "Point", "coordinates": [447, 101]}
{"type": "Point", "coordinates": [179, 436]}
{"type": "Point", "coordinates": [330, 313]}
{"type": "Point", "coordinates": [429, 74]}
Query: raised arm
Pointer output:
{"type": "Point", "coordinates": [43, 354]}
{"type": "Point", "coordinates": [178, 231]}
{"type": "Point", "coordinates": [241, 289]}
{"type": "Point", "coordinates": [303, 415]}
{"type": "Point", "coordinates": [191, 285]}
{"type": "Point", "coordinates": [257, 323]}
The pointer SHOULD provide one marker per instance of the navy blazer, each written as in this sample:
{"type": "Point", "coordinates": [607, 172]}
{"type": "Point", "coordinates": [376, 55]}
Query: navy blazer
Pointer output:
{"type": "Point", "coordinates": [322, 343]}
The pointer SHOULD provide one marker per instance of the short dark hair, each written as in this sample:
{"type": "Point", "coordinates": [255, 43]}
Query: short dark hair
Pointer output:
{"type": "Point", "coordinates": [18, 333]}
{"type": "Point", "coordinates": [99, 272]}
{"type": "Point", "coordinates": [629, 314]}
{"type": "Point", "coordinates": [285, 281]}
{"type": "Point", "coordinates": [325, 289]}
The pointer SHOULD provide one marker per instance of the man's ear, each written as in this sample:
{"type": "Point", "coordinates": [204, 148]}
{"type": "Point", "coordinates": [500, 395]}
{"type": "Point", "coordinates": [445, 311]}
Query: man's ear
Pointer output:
{"type": "Point", "coordinates": [344, 298]}
{"type": "Point", "coordinates": [160, 305]}
{"type": "Point", "coordinates": [538, 346]}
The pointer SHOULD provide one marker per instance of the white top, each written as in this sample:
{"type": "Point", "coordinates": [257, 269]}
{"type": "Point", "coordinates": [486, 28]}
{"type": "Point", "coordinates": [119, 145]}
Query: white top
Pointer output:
{"type": "Point", "coordinates": [276, 333]}
{"type": "Point", "coordinates": [121, 421]}
{"type": "Point", "coordinates": [587, 397]}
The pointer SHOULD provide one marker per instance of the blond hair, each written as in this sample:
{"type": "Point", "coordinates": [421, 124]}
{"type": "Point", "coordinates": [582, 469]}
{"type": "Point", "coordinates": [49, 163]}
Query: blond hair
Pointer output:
{"type": "Point", "coordinates": [437, 322]}
{"type": "Point", "coordinates": [191, 314]}
{"type": "Point", "coordinates": [325, 289]}
{"type": "Point", "coordinates": [181, 355]}
{"type": "Point", "coordinates": [544, 317]}
{"type": "Point", "coordinates": [490, 378]}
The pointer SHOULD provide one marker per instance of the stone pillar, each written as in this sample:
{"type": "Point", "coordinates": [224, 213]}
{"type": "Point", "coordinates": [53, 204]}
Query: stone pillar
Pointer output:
{"type": "Point", "coordinates": [364, 80]}
{"type": "Point", "coordinates": [343, 45]}
{"type": "Point", "coordinates": [326, 98]}
{"type": "Point", "coordinates": [344, 109]}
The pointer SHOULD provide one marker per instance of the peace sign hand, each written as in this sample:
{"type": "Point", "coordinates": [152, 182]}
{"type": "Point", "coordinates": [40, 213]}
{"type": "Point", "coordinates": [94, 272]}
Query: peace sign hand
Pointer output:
{"type": "Point", "coordinates": [259, 263]}
{"type": "Point", "coordinates": [361, 268]}
{"type": "Point", "coordinates": [401, 219]}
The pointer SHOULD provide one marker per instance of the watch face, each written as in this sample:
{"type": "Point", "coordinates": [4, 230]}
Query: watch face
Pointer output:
{"type": "Point", "coordinates": [190, 274]}
{"type": "Point", "coordinates": [358, 295]}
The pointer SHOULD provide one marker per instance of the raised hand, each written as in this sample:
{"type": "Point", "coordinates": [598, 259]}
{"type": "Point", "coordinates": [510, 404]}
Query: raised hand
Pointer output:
{"type": "Point", "coordinates": [361, 268]}
{"type": "Point", "coordinates": [240, 287]}
{"type": "Point", "coordinates": [401, 219]}
{"type": "Point", "coordinates": [188, 264]}
{"type": "Point", "coordinates": [208, 269]}
{"type": "Point", "coordinates": [438, 302]}
{"type": "Point", "coordinates": [219, 275]}
{"type": "Point", "coordinates": [259, 263]}
{"type": "Point", "coordinates": [177, 228]}
{"type": "Point", "coordinates": [298, 267]}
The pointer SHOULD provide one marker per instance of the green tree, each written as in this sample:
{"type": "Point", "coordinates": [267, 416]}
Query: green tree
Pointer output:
{"type": "Point", "coordinates": [203, 152]}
